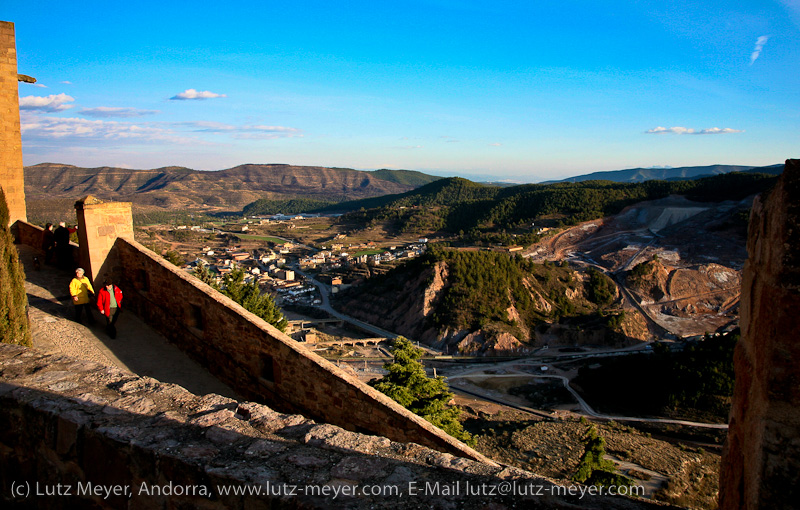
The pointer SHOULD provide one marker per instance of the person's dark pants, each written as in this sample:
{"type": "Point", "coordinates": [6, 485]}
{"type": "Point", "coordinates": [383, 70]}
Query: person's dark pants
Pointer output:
{"type": "Point", "coordinates": [64, 257]}
{"type": "Point", "coordinates": [79, 309]}
{"type": "Point", "coordinates": [111, 329]}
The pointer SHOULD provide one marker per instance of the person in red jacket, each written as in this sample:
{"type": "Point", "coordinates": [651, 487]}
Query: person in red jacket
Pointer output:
{"type": "Point", "coordinates": [109, 300]}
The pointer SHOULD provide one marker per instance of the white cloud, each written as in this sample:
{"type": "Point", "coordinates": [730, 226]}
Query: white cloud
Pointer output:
{"type": "Point", "coordinates": [206, 126]}
{"type": "Point", "coordinates": [760, 42]}
{"type": "Point", "coordinates": [716, 131]}
{"type": "Point", "coordinates": [53, 103]}
{"type": "Point", "coordinates": [109, 111]}
{"type": "Point", "coordinates": [677, 130]}
{"type": "Point", "coordinates": [40, 85]}
{"type": "Point", "coordinates": [76, 130]}
{"type": "Point", "coordinates": [67, 82]}
{"type": "Point", "coordinates": [496, 144]}
{"type": "Point", "coordinates": [196, 94]}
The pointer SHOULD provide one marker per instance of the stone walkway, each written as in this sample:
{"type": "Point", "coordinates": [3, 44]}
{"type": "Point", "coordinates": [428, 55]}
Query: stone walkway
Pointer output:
{"type": "Point", "coordinates": [137, 348]}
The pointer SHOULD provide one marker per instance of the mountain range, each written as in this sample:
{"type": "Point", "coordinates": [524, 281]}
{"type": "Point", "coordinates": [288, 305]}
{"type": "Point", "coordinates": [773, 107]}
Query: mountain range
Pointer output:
{"type": "Point", "coordinates": [668, 174]}
{"type": "Point", "coordinates": [51, 185]}
{"type": "Point", "coordinates": [231, 189]}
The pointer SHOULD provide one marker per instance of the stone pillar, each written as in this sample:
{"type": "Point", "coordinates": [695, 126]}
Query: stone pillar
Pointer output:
{"type": "Point", "coordinates": [99, 226]}
{"type": "Point", "coordinates": [11, 177]}
{"type": "Point", "coordinates": [761, 460]}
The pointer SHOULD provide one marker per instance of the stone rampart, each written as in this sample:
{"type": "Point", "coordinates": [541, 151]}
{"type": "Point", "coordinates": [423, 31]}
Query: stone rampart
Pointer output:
{"type": "Point", "coordinates": [73, 432]}
{"type": "Point", "coordinates": [257, 360]}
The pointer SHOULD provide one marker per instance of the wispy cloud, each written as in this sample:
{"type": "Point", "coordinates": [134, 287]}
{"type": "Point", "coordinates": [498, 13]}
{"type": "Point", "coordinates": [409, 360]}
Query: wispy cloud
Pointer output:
{"type": "Point", "coordinates": [77, 130]}
{"type": "Point", "coordinates": [760, 42]}
{"type": "Point", "coordinates": [195, 94]}
{"type": "Point", "coordinates": [67, 82]}
{"type": "Point", "coordinates": [40, 85]}
{"type": "Point", "coordinates": [689, 131]}
{"type": "Point", "coordinates": [248, 132]}
{"type": "Point", "coordinates": [496, 144]}
{"type": "Point", "coordinates": [53, 103]}
{"type": "Point", "coordinates": [105, 112]}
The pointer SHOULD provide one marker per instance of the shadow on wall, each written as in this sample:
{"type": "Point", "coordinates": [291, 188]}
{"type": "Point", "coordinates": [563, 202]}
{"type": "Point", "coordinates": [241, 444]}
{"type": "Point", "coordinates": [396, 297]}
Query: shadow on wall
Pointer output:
{"type": "Point", "coordinates": [257, 360]}
{"type": "Point", "coordinates": [67, 421]}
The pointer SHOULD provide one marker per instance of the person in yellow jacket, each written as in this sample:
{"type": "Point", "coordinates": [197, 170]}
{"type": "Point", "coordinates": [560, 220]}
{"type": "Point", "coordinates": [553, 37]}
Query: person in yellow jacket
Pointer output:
{"type": "Point", "coordinates": [79, 289]}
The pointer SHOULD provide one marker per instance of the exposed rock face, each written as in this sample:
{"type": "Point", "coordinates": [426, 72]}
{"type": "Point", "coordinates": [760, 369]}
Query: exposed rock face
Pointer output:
{"type": "Point", "coordinates": [761, 461]}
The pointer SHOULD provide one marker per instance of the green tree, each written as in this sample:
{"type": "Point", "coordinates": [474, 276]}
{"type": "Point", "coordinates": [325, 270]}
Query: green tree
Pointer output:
{"type": "Point", "coordinates": [203, 273]}
{"type": "Point", "coordinates": [174, 257]}
{"type": "Point", "coordinates": [593, 468]}
{"type": "Point", "coordinates": [13, 300]}
{"type": "Point", "coordinates": [408, 385]}
{"type": "Point", "coordinates": [601, 288]}
{"type": "Point", "coordinates": [250, 297]}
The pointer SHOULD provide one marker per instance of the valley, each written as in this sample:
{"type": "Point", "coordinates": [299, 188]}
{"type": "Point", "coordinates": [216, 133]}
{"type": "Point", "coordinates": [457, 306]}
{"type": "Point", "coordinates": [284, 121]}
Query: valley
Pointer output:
{"type": "Point", "coordinates": [529, 311]}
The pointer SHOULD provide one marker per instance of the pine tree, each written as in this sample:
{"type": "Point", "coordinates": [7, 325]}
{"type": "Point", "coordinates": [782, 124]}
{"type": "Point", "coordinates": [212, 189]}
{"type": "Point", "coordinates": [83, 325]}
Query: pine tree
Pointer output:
{"type": "Point", "coordinates": [246, 294]}
{"type": "Point", "coordinates": [13, 300]}
{"type": "Point", "coordinates": [409, 385]}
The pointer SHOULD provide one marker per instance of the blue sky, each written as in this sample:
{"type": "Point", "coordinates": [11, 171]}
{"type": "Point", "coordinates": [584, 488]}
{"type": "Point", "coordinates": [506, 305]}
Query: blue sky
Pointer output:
{"type": "Point", "coordinates": [525, 91]}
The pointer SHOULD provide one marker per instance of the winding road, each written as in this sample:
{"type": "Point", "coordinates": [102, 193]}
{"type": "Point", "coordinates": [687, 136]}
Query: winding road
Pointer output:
{"type": "Point", "coordinates": [585, 407]}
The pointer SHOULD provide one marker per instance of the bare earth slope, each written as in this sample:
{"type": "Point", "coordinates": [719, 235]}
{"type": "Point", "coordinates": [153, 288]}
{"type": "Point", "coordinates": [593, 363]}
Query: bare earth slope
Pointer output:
{"type": "Point", "coordinates": [693, 285]}
{"type": "Point", "coordinates": [178, 187]}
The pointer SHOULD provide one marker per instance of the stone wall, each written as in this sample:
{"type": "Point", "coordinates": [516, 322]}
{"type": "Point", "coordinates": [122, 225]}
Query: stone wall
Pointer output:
{"type": "Point", "coordinates": [11, 177]}
{"type": "Point", "coordinates": [761, 462]}
{"type": "Point", "coordinates": [67, 425]}
{"type": "Point", "coordinates": [257, 360]}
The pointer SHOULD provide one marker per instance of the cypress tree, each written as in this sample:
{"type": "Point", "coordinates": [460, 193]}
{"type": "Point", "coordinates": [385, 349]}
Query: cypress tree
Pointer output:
{"type": "Point", "coordinates": [13, 300]}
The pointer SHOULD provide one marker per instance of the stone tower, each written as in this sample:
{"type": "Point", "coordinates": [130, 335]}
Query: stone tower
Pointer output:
{"type": "Point", "coordinates": [11, 177]}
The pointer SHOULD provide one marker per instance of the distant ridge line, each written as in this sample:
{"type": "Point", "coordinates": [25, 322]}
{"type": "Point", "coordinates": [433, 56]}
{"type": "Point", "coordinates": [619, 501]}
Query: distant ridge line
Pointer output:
{"type": "Point", "coordinates": [649, 174]}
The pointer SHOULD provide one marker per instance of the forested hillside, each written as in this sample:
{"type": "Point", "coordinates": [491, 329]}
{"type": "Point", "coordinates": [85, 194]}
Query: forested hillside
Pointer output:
{"type": "Point", "coordinates": [490, 302]}
{"type": "Point", "coordinates": [488, 213]}
{"type": "Point", "coordinates": [700, 381]}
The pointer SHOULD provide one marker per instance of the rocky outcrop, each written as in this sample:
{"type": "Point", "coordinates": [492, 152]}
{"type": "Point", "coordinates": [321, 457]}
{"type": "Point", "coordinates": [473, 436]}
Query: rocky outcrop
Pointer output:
{"type": "Point", "coordinates": [761, 461]}
{"type": "Point", "coordinates": [649, 279]}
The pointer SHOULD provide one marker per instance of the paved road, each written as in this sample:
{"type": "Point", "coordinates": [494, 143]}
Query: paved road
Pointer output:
{"type": "Point", "coordinates": [325, 292]}
{"type": "Point", "coordinates": [585, 407]}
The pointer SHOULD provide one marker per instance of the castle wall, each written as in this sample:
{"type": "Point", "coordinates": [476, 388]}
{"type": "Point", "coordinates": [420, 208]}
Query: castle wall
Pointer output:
{"type": "Point", "coordinates": [68, 425]}
{"type": "Point", "coordinates": [256, 359]}
{"type": "Point", "coordinates": [761, 461]}
{"type": "Point", "coordinates": [11, 177]}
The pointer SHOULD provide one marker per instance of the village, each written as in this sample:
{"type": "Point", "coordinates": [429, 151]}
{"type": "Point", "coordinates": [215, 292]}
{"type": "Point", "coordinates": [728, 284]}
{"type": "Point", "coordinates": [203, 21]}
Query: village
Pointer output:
{"type": "Point", "coordinates": [280, 265]}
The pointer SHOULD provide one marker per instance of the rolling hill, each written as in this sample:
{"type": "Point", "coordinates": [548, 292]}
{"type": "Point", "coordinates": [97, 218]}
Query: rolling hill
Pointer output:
{"type": "Point", "coordinates": [230, 189]}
